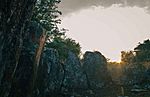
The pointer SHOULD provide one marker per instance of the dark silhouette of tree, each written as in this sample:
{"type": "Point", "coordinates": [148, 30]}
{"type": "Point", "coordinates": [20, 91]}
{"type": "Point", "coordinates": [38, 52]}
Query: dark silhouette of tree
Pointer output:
{"type": "Point", "coordinates": [143, 51]}
{"type": "Point", "coordinates": [15, 36]}
{"type": "Point", "coordinates": [46, 14]}
{"type": "Point", "coordinates": [127, 57]}
{"type": "Point", "coordinates": [14, 16]}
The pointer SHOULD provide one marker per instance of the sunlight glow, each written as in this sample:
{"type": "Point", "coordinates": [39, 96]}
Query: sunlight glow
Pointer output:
{"type": "Point", "coordinates": [109, 30]}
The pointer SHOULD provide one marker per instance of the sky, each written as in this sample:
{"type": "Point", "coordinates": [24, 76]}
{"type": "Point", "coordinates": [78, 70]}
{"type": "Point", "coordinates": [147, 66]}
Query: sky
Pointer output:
{"type": "Point", "coordinates": [109, 26]}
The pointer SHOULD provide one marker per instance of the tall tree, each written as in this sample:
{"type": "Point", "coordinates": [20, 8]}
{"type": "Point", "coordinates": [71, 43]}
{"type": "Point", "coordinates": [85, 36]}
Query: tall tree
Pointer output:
{"type": "Point", "coordinates": [14, 16]}
{"type": "Point", "coordinates": [46, 14]}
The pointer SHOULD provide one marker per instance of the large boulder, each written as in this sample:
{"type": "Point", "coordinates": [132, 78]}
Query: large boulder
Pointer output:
{"type": "Point", "coordinates": [95, 67]}
{"type": "Point", "coordinates": [74, 77]}
{"type": "Point", "coordinates": [50, 74]}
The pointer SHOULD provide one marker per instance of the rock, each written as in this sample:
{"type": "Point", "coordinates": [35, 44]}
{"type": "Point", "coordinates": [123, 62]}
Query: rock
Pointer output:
{"type": "Point", "coordinates": [147, 86]}
{"type": "Point", "coordinates": [74, 77]}
{"type": "Point", "coordinates": [50, 74]}
{"type": "Point", "coordinates": [138, 90]}
{"type": "Point", "coordinates": [95, 67]}
{"type": "Point", "coordinates": [136, 87]}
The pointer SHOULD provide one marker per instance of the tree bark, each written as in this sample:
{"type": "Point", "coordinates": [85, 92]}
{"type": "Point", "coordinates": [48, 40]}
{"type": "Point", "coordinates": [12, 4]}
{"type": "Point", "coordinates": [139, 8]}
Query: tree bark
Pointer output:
{"type": "Point", "coordinates": [14, 16]}
{"type": "Point", "coordinates": [36, 62]}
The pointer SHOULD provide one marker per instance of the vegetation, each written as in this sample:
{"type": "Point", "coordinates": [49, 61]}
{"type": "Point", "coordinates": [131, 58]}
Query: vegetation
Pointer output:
{"type": "Point", "coordinates": [127, 57]}
{"type": "Point", "coordinates": [133, 65]}
{"type": "Point", "coordinates": [63, 45]}
{"type": "Point", "coordinates": [46, 14]}
{"type": "Point", "coordinates": [19, 71]}
{"type": "Point", "coordinates": [143, 51]}
{"type": "Point", "coordinates": [14, 17]}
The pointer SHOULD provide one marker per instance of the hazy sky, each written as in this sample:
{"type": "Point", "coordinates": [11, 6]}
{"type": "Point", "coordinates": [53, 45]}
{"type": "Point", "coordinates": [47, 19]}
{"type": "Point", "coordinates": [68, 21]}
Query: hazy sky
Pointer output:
{"type": "Point", "coordinates": [108, 26]}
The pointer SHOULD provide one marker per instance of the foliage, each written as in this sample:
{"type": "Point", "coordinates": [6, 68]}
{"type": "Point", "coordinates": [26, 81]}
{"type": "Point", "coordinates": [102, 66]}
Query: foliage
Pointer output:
{"type": "Point", "coordinates": [135, 63]}
{"type": "Point", "coordinates": [63, 45]}
{"type": "Point", "coordinates": [127, 57]}
{"type": "Point", "coordinates": [143, 51]}
{"type": "Point", "coordinates": [46, 14]}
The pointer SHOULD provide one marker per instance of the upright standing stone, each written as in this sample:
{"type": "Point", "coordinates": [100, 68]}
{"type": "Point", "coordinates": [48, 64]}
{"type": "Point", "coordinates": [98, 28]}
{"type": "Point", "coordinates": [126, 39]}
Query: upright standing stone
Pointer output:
{"type": "Point", "coordinates": [50, 74]}
{"type": "Point", "coordinates": [74, 76]}
{"type": "Point", "coordinates": [95, 66]}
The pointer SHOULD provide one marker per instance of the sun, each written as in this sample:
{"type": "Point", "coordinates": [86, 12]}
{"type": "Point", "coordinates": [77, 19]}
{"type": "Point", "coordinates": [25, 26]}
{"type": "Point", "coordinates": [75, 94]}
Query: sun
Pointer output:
{"type": "Point", "coordinates": [119, 61]}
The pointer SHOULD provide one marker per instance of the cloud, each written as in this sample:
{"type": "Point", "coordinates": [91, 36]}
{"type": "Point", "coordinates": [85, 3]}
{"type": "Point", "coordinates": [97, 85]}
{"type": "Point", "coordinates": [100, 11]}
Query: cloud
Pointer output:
{"type": "Point", "coordinates": [69, 6]}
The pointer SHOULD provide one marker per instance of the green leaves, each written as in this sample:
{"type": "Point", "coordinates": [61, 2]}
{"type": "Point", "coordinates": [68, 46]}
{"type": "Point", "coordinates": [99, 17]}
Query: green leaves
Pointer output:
{"type": "Point", "coordinates": [46, 14]}
{"type": "Point", "coordinates": [63, 45]}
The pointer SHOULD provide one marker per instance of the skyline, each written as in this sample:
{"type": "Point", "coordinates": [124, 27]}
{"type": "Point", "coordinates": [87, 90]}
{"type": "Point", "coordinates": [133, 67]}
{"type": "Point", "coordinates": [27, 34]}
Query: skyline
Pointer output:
{"type": "Point", "coordinates": [71, 6]}
{"type": "Point", "coordinates": [107, 38]}
{"type": "Point", "coordinates": [109, 30]}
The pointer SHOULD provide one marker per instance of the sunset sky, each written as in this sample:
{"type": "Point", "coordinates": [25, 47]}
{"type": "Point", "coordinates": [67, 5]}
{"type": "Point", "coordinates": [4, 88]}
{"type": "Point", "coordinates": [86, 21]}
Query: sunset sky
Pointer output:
{"type": "Point", "coordinates": [109, 27]}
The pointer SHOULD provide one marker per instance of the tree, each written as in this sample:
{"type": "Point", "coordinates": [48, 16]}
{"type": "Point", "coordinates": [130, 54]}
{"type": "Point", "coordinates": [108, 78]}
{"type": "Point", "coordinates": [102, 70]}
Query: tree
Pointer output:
{"type": "Point", "coordinates": [143, 51]}
{"type": "Point", "coordinates": [17, 41]}
{"type": "Point", "coordinates": [14, 16]}
{"type": "Point", "coordinates": [127, 57]}
{"type": "Point", "coordinates": [63, 45]}
{"type": "Point", "coordinates": [15, 36]}
{"type": "Point", "coordinates": [46, 14]}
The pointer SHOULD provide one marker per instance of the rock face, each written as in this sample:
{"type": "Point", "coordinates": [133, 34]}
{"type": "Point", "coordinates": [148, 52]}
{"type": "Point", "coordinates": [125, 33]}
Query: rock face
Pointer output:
{"type": "Point", "coordinates": [95, 67]}
{"type": "Point", "coordinates": [50, 74]}
{"type": "Point", "coordinates": [74, 77]}
{"type": "Point", "coordinates": [56, 78]}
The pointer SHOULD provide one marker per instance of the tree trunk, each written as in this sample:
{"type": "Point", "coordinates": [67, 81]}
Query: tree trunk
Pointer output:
{"type": "Point", "coordinates": [36, 62]}
{"type": "Point", "coordinates": [14, 16]}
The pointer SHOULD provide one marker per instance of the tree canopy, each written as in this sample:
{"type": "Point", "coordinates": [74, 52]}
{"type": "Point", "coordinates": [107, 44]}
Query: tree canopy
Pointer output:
{"type": "Point", "coordinates": [143, 51]}
{"type": "Point", "coordinates": [46, 14]}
